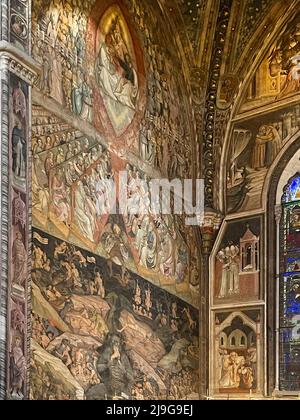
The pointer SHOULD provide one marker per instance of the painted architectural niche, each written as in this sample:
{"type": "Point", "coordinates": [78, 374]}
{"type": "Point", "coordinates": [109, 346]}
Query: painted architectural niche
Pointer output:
{"type": "Point", "coordinates": [238, 353]}
{"type": "Point", "coordinates": [238, 263]}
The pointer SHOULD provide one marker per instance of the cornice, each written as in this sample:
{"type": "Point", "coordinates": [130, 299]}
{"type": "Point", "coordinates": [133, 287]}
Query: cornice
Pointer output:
{"type": "Point", "coordinates": [18, 62]}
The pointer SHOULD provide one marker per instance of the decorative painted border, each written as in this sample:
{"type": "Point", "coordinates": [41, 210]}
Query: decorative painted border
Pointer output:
{"type": "Point", "coordinates": [15, 66]}
{"type": "Point", "coordinates": [18, 237]}
{"type": "Point", "coordinates": [19, 28]}
{"type": "Point", "coordinates": [211, 115]}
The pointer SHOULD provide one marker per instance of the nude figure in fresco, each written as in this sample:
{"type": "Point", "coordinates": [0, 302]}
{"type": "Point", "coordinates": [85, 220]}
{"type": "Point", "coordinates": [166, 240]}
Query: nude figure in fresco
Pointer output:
{"type": "Point", "coordinates": [19, 151]}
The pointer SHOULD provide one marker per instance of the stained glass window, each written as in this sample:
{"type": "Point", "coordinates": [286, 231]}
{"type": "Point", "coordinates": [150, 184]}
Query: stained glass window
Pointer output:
{"type": "Point", "coordinates": [290, 288]}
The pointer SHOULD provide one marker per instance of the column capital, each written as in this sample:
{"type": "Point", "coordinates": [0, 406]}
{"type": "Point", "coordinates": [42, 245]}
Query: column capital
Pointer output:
{"type": "Point", "coordinates": [209, 227]}
{"type": "Point", "coordinates": [212, 219]}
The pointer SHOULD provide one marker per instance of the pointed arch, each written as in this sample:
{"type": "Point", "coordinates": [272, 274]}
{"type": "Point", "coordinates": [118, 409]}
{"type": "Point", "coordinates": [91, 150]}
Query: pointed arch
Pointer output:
{"type": "Point", "coordinates": [288, 14]}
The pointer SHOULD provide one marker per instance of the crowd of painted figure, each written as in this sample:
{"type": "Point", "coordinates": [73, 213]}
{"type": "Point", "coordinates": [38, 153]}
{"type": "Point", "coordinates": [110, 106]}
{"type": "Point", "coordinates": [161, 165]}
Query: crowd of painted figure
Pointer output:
{"type": "Point", "coordinates": [93, 349]}
{"type": "Point", "coordinates": [164, 130]}
{"type": "Point", "coordinates": [61, 160]}
{"type": "Point", "coordinates": [70, 175]}
{"type": "Point", "coordinates": [154, 235]}
{"type": "Point", "coordinates": [59, 45]}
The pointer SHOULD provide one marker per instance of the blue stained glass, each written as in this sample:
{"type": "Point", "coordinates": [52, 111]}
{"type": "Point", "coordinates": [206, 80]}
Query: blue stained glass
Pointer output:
{"type": "Point", "coordinates": [293, 190]}
{"type": "Point", "coordinates": [293, 264]}
{"type": "Point", "coordinates": [290, 288]}
{"type": "Point", "coordinates": [293, 308]}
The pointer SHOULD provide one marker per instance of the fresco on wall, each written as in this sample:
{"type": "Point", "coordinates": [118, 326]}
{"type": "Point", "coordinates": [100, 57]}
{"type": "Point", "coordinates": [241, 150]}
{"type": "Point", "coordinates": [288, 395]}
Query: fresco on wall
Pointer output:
{"type": "Point", "coordinates": [238, 352]}
{"type": "Point", "coordinates": [93, 58]}
{"type": "Point", "coordinates": [73, 200]}
{"type": "Point", "coordinates": [238, 262]}
{"type": "Point", "coordinates": [164, 130]}
{"type": "Point", "coordinates": [114, 294]}
{"type": "Point", "coordinates": [18, 238]}
{"type": "Point", "coordinates": [98, 333]}
{"type": "Point", "coordinates": [116, 69]}
{"type": "Point", "coordinates": [278, 76]}
{"type": "Point", "coordinates": [59, 46]}
{"type": "Point", "coordinates": [255, 144]}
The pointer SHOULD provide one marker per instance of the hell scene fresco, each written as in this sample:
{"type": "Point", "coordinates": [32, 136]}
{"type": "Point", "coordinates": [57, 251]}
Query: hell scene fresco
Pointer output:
{"type": "Point", "coordinates": [238, 352]}
{"type": "Point", "coordinates": [238, 262]}
{"type": "Point", "coordinates": [95, 66]}
{"type": "Point", "coordinates": [100, 333]}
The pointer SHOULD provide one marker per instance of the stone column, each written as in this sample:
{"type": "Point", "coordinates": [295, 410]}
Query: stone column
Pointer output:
{"type": "Point", "coordinates": [17, 73]}
{"type": "Point", "coordinates": [259, 346]}
{"type": "Point", "coordinates": [209, 228]}
{"type": "Point", "coordinates": [278, 216]}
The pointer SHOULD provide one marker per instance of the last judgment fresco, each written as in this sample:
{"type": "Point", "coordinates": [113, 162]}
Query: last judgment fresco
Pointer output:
{"type": "Point", "coordinates": [114, 294]}
{"type": "Point", "coordinates": [72, 199]}
{"type": "Point", "coordinates": [94, 58]}
{"type": "Point", "coordinates": [104, 293]}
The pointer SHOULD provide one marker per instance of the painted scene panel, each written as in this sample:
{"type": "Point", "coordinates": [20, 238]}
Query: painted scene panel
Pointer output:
{"type": "Point", "coordinates": [238, 352]}
{"type": "Point", "coordinates": [238, 263]}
